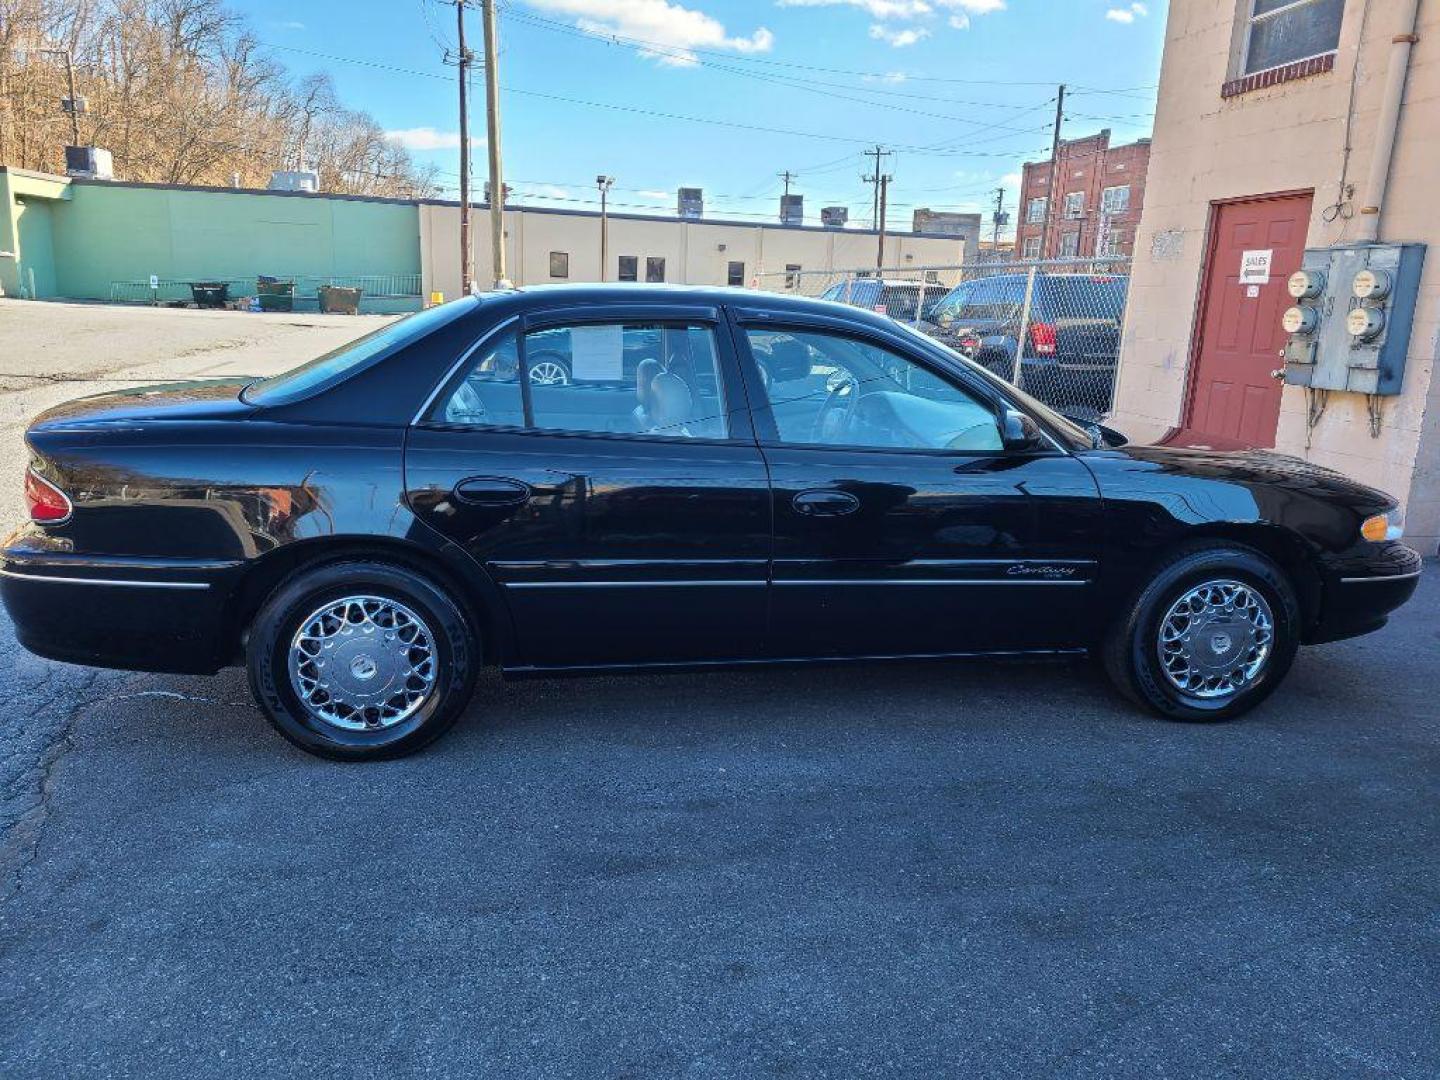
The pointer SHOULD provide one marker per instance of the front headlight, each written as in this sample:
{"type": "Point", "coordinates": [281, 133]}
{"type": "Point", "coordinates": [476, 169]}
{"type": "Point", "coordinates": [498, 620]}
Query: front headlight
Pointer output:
{"type": "Point", "coordinates": [1389, 526]}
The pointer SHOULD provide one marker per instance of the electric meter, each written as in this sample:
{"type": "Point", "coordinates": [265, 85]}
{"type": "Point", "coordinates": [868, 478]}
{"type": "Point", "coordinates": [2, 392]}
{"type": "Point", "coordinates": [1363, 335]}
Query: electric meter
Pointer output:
{"type": "Point", "coordinates": [1300, 320]}
{"type": "Point", "coordinates": [1365, 323]}
{"type": "Point", "coordinates": [1306, 284]}
{"type": "Point", "coordinates": [1371, 284]}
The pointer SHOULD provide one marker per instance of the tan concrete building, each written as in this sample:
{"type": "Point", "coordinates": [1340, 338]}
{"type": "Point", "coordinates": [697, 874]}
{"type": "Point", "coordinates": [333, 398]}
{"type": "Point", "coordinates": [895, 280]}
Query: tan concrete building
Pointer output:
{"type": "Point", "coordinates": [546, 246]}
{"type": "Point", "coordinates": [1272, 135]}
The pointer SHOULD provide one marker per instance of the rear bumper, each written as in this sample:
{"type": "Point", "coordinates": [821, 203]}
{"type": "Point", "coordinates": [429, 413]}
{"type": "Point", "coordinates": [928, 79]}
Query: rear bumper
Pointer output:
{"type": "Point", "coordinates": [136, 614]}
{"type": "Point", "coordinates": [1360, 596]}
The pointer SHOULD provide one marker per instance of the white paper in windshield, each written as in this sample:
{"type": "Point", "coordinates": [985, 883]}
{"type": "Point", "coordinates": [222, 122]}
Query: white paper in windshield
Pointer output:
{"type": "Point", "coordinates": [597, 353]}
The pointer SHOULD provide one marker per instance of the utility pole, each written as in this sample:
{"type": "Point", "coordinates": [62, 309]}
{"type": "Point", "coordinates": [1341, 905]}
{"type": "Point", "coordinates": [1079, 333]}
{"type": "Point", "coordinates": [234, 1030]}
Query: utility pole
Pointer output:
{"type": "Point", "coordinates": [492, 131]}
{"type": "Point", "coordinates": [881, 181]}
{"type": "Point", "coordinates": [999, 216]}
{"type": "Point", "coordinates": [603, 182]}
{"type": "Point", "coordinates": [884, 189]}
{"type": "Point", "coordinates": [1054, 169]}
{"type": "Point", "coordinates": [464, 59]}
{"type": "Point", "coordinates": [788, 176]}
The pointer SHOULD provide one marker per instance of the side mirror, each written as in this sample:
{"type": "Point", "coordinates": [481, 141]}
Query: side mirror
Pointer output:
{"type": "Point", "coordinates": [1018, 431]}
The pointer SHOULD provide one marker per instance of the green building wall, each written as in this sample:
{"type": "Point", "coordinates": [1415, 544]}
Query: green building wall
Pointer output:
{"type": "Point", "coordinates": [102, 233]}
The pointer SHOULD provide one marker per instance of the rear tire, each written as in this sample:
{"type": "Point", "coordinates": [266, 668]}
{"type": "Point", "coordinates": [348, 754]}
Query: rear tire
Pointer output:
{"type": "Point", "coordinates": [361, 660]}
{"type": "Point", "coordinates": [1209, 638]}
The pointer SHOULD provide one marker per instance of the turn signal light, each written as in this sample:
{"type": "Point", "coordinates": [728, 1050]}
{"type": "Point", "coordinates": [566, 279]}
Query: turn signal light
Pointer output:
{"type": "Point", "coordinates": [47, 504]}
{"type": "Point", "coordinates": [1389, 526]}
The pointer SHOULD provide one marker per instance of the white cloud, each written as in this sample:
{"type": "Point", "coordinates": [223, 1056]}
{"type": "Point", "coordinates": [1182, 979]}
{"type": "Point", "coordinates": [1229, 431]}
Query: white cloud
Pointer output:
{"type": "Point", "coordinates": [876, 9]}
{"type": "Point", "coordinates": [1011, 179]}
{"type": "Point", "coordinates": [675, 29]}
{"type": "Point", "coordinates": [960, 22]}
{"type": "Point", "coordinates": [550, 191]}
{"type": "Point", "coordinates": [976, 7]}
{"type": "Point", "coordinates": [290, 24]}
{"type": "Point", "coordinates": [898, 39]}
{"type": "Point", "coordinates": [1127, 15]}
{"type": "Point", "coordinates": [428, 138]}
{"type": "Point", "coordinates": [654, 195]}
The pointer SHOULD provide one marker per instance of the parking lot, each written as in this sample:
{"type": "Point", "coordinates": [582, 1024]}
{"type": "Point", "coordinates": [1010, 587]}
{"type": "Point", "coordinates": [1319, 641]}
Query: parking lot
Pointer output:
{"type": "Point", "coordinates": [912, 871]}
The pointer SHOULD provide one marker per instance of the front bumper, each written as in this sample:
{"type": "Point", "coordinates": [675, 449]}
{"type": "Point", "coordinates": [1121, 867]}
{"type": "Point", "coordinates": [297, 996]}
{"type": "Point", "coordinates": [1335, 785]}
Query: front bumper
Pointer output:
{"type": "Point", "coordinates": [1363, 589]}
{"type": "Point", "coordinates": [137, 614]}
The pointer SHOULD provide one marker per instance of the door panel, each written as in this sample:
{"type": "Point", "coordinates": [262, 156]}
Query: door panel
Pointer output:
{"type": "Point", "coordinates": [1234, 394]}
{"type": "Point", "coordinates": [945, 553]}
{"type": "Point", "coordinates": [625, 552]}
{"type": "Point", "coordinates": [623, 510]}
{"type": "Point", "coordinates": [901, 525]}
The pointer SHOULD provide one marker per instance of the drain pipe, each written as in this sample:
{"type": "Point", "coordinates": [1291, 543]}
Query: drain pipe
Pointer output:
{"type": "Point", "coordinates": [1388, 122]}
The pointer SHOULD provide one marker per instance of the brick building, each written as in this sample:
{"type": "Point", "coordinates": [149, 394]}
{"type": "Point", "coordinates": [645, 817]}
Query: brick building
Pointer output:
{"type": "Point", "coordinates": [1092, 206]}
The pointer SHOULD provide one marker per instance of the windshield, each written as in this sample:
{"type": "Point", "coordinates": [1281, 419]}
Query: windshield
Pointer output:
{"type": "Point", "coordinates": [1074, 436]}
{"type": "Point", "coordinates": [329, 368]}
{"type": "Point", "coordinates": [985, 298]}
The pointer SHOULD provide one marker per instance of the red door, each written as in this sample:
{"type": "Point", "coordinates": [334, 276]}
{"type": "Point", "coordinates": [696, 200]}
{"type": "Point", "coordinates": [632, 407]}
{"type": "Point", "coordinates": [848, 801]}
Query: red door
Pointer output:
{"type": "Point", "coordinates": [1234, 393]}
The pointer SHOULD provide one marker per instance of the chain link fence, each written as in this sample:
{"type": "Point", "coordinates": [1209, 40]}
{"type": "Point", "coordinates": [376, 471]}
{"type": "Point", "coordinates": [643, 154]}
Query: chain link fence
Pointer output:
{"type": "Point", "coordinates": [1051, 328]}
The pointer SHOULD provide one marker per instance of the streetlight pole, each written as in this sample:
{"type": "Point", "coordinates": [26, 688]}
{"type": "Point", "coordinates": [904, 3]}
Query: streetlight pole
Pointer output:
{"type": "Point", "coordinates": [603, 182]}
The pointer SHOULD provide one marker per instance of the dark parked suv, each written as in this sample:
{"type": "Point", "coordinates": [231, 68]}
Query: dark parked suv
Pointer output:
{"type": "Point", "coordinates": [1071, 340]}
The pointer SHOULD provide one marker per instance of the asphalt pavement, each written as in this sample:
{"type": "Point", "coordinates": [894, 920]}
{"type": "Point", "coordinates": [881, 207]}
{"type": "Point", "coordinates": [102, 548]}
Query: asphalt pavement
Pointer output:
{"type": "Point", "coordinates": [937, 870]}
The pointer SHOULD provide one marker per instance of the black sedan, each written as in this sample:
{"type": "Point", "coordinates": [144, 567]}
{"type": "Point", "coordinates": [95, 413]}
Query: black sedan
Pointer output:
{"type": "Point", "coordinates": [363, 533]}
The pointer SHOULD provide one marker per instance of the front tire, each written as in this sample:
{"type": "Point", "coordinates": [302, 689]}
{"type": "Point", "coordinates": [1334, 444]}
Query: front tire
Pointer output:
{"type": "Point", "coordinates": [1209, 638]}
{"type": "Point", "coordinates": [361, 660]}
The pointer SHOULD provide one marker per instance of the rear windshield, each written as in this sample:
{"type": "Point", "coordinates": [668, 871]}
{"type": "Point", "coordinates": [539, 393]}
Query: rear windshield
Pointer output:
{"type": "Point", "coordinates": [1101, 296]}
{"type": "Point", "coordinates": [337, 364]}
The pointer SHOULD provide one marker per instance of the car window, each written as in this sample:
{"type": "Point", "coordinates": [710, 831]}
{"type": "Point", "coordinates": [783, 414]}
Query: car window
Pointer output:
{"type": "Point", "coordinates": [353, 356]}
{"type": "Point", "coordinates": [830, 390]}
{"type": "Point", "coordinates": [617, 378]}
{"type": "Point", "coordinates": [985, 298]}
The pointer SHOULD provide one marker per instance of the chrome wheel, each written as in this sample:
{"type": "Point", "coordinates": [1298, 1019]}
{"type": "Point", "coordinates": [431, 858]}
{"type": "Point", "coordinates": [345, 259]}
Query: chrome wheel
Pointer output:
{"type": "Point", "coordinates": [545, 372]}
{"type": "Point", "coordinates": [363, 663]}
{"type": "Point", "coordinates": [1216, 639]}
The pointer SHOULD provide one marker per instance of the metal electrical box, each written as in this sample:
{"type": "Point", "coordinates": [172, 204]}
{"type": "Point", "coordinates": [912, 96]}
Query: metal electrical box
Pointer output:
{"type": "Point", "coordinates": [1350, 324]}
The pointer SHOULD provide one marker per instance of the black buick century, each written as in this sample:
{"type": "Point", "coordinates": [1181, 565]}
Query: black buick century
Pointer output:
{"type": "Point", "coordinates": [600, 477]}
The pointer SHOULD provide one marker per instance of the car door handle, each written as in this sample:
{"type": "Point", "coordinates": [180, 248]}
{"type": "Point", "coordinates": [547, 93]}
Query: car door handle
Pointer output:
{"type": "Point", "coordinates": [492, 491]}
{"type": "Point", "coordinates": [822, 502]}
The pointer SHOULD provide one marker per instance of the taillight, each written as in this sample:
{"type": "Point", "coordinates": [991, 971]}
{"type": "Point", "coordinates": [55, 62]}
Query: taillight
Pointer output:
{"type": "Point", "coordinates": [48, 505]}
{"type": "Point", "coordinates": [1042, 338]}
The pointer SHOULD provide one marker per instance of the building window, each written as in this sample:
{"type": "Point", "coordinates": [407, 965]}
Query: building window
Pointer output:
{"type": "Point", "coordinates": [1115, 200]}
{"type": "Point", "coordinates": [1031, 250]}
{"type": "Point", "coordinates": [1285, 31]}
{"type": "Point", "coordinates": [654, 268]}
{"type": "Point", "coordinates": [792, 275]}
{"type": "Point", "coordinates": [735, 273]}
{"type": "Point", "coordinates": [1112, 243]}
{"type": "Point", "coordinates": [1069, 244]}
{"type": "Point", "coordinates": [1074, 205]}
{"type": "Point", "coordinates": [932, 277]}
{"type": "Point", "coordinates": [629, 268]}
{"type": "Point", "coordinates": [560, 264]}
{"type": "Point", "coordinates": [1035, 212]}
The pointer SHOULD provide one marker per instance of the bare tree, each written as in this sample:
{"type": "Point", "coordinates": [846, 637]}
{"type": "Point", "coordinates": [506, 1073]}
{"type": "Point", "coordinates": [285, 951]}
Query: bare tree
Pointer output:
{"type": "Point", "coordinates": [180, 92]}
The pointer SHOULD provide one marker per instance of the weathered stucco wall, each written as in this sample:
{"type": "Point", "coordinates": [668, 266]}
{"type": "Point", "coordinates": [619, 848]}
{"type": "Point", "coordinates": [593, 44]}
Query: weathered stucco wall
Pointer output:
{"type": "Point", "coordinates": [1285, 138]}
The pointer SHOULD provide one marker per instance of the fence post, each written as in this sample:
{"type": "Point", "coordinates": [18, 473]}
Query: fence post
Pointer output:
{"type": "Point", "coordinates": [920, 301]}
{"type": "Point", "coordinates": [1017, 372]}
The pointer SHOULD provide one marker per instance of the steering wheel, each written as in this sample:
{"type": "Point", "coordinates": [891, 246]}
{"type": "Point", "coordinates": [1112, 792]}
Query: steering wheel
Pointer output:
{"type": "Point", "coordinates": [832, 422]}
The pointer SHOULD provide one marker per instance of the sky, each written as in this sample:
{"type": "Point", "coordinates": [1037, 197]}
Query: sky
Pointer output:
{"type": "Point", "coordinates": [726, 95]}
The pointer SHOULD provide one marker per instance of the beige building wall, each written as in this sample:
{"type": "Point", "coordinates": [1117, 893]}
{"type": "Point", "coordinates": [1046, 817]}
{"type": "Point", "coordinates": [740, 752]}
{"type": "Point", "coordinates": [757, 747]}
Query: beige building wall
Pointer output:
{"type": "Point", "coordinates": [695, 252]}
{"type": "Point", "coordinates": [1289, 137]}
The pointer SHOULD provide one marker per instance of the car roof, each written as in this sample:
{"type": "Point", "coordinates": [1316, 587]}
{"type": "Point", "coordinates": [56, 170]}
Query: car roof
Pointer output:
{"type": "Point", "coordinates": [540, 297]}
